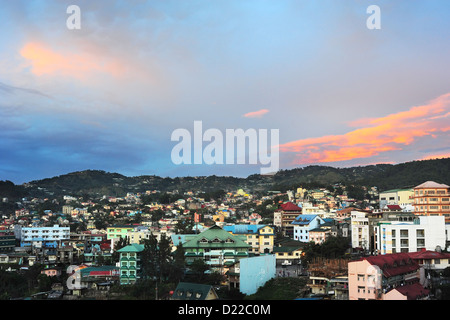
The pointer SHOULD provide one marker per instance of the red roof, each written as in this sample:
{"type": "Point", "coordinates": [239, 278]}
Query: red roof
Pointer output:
{"type": "Point", "coordinates": [393, 264]}
{"type": "Point", "coordinates": [289, 206]}
{"type": "Point", "coordinates": [427, 254]}
{"type": "Point", "coordinates": [394, 207]}
{"type": "Point", "coordinates": [413, 291]}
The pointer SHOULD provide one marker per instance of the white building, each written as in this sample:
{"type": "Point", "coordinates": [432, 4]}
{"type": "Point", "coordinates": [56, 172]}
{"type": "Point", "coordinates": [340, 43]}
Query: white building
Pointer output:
{"type": "Point", "coordinates": [303, 224]}
{"type": "Point", "coordinates": [360, 230]}
{"type": "Point", "coordinates": [425, 233]}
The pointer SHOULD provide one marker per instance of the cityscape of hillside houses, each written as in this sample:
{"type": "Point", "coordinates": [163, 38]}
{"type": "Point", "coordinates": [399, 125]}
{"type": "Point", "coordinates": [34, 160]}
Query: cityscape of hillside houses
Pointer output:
{"type": "Point", "coordinates": [235, 245]}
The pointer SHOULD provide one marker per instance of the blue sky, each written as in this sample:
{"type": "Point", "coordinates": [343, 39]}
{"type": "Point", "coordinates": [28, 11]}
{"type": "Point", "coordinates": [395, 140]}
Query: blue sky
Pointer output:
{"type": "Point", "coordinates": [108, 96]}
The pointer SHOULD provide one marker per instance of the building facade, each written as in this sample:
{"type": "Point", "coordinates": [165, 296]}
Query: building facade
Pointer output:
{"type": "Point", "coordinates": [217, 247]}
{"type": "Point", "coordinates": [302, 225]}
{"type": "Point", "coordinates": [424, 233]}
{"type": "Point", "coordinates": [375, 277]}
{"type": "Point", "coordinates": [431, 198]}
{"type": "Point", "coordinates": [259, 237]}
{"type": "Point", "coordinates": [130, 263]}
{"type": "Point", "coordinates": [38, 237]}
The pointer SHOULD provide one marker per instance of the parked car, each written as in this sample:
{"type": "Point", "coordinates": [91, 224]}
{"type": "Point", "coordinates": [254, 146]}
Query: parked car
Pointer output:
{"type": "Point", "coordinates": [286, 263]}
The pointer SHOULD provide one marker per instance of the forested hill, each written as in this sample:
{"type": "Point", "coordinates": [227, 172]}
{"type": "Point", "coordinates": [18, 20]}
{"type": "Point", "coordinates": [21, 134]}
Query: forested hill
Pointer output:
{"type": "Point", "coordinates": [383, 176]}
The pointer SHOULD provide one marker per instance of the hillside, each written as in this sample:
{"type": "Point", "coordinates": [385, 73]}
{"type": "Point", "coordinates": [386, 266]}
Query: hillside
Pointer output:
{"type": "Point", "coordinates": [384, 176]}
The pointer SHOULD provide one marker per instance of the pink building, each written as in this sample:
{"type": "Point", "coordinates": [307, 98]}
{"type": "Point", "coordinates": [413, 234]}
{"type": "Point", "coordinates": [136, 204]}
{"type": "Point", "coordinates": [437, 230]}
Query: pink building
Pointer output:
{"type": "Point", "coordinates": [385, 277]}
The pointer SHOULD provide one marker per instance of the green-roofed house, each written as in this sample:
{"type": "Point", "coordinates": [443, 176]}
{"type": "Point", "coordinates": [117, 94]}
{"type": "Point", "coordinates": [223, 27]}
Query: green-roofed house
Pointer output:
{"type": "Point", "coordinates": [217, 247]}
{"type": "Point", "coordinates": [130, 263]}
{"type": "Point", "coordinates": [194, 291]}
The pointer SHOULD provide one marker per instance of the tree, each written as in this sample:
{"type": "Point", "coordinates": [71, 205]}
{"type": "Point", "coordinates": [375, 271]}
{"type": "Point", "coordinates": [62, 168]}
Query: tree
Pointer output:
{"type": "Point", "coordinates": [121, 243]}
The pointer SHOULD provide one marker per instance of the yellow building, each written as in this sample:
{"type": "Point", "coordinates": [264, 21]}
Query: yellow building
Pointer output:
{"type": "Point", "coordinates": [400, 197]}
{"type": "Point", "coordinates": [259, 237]}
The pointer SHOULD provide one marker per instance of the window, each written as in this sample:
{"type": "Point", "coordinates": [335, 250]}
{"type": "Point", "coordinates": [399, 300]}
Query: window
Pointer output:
{"type": "Point", "coordinates": [404, 243]}
{"type": "Point", "coordinates": [420, 233]}
{"type": "Point", "coordinates": [404, 233]}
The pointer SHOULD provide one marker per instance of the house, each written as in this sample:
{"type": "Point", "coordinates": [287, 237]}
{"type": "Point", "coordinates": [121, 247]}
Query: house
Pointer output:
{"type": "Point", "coordinates": [400, 197]}
{"type": "Point", "coordinates": [217, 247]}
{"type": "Point", "coordinates": [288, 249]}
{"type": "Point", "coordinates": [373, 277]}
{"type": "Point", "coordinates": [194, 291]}
{"type": "Point", "coordinates": [414, 291]}
{"type": "Point", "coordinates": [52, 272]}
{"type": "Point", "coordinates": [303, 223]}
{"type": "Point", "coordinates": [259, 237]}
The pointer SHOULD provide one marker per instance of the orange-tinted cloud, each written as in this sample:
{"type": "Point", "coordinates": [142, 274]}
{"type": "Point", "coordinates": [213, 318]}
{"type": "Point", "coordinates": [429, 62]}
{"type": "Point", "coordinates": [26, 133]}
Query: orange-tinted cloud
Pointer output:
{"type": "Point", "coordinates": [45, 60]}
{"type": "Point", "coordinates": [376, 136]}
{"type": "Point", "coordinates": [256, 114]}
{"type": "Point", "coordinates": [438, 156]}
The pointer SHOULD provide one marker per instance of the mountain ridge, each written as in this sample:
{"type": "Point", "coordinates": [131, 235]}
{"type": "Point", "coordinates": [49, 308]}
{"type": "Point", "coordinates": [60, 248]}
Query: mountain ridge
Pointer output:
{"type": "Point", "coordinates": [383, 176]}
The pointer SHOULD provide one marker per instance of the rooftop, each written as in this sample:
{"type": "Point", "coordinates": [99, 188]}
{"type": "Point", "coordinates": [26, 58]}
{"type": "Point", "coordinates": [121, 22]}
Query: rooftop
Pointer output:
{"type": "Point", "coordinates": [431, 184]}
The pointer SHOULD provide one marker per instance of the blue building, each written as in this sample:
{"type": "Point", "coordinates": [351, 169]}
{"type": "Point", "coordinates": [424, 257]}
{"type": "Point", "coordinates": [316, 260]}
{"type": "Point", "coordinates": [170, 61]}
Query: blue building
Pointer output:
{"type": "Point", "coordinates": [303, 223]}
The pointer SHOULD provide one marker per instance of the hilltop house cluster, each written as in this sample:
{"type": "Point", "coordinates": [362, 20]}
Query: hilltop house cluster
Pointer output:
{"type": "Point", "coordinates": [399, 237]}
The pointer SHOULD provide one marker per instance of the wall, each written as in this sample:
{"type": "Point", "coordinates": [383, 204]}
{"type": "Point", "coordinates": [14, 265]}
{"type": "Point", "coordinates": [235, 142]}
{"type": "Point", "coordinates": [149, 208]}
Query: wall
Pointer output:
{"type": "Point", "coordinates": [255, 272]}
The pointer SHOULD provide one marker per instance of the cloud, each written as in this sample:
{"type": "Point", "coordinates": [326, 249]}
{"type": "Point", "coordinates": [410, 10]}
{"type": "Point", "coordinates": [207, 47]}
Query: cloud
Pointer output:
{"type": "Point", "coordinates": [376, 135]}
{"type": "Point", "coordinates": [45, 60]}
{"type": "Point", "coordinates": [256, 114]}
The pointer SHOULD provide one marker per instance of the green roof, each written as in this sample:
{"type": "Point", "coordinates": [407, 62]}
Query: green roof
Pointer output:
{"type": "Point", "coordinates": [191, 291]}
{"type": "Point", "coordinates": [215, 237]}
{"type": "Point", "coordinates": [134, 247]}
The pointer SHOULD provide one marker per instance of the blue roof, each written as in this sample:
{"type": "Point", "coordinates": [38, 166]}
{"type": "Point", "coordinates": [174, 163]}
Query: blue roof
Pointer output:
{"type": "Point", "coordinates": [304, 219]}
{"type": "Point", "coordinates": [243, 228]}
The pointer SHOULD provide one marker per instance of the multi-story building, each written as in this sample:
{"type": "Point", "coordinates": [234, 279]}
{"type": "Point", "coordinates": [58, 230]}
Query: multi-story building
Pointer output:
{"type": "Point", "coordinates": [431, 198]}
{"type": "Point", "coordinates": [386, 277]}
{"type": "Point", "coordinates": [259, 237]}
{"type": "Point", "coordinates": [424, 233]}
{"type": "Point", "coordinates": [284, 216]}
{"type": "Point", "coordinates": [130, 263]}
{"type": "Point", "coordinates": [115, 232]}
{"type": "Point", "coordinates": [217, 247]}
{"type": "Point", "coordinates": [302, 225]}
{"type": "Point", "coordinates": [7, 241]}
{"type": "Point", "coordinates": [41, 237]}
{"type": "Point", "coordinates": [401, 197]}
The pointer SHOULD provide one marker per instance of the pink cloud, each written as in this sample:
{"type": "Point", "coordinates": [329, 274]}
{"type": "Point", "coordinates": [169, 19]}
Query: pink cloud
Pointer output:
{"type": "Point", "coordinates": [374, 135]}
{"type": "Point", "coordinates": [256, 114]}
{"type": "Point", "coordinates": [44, 60]}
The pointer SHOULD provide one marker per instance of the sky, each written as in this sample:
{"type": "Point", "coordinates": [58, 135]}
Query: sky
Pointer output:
{"type": "Point", "coordinates": [109, 95]}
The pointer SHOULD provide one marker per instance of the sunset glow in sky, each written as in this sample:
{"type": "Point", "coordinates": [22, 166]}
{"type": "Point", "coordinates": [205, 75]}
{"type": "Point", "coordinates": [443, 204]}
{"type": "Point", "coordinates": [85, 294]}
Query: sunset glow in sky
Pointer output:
{"type": "Point", "coordinates": [108, 96]}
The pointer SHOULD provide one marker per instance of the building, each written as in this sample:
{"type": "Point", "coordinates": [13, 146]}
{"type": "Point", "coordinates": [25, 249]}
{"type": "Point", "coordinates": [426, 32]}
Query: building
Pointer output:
{"type": "Point", "coordinates": [424, 233]}
{"type": "Point", "coordinates": [303, 223]}
{"type": "Point", "coordinates": [7, 241]}
{"type": "Point", "coordinates": [288, 250]}
{"type": "Point", "coordinates": [284, 216]}
{"type": "Point", "coordinates": [431, 260]}
{"type": "Point", "coordinates": [217, 247]}
{"type": "Point", "coordinates": [254, 272]}
{"type": "Point", "coordinates": [194, 291]}
{"type": "Point", "coordinates": [374, 278]}
{"type": "Point", "coordinates": [431, 198]}
{"type": "Point", "coordinates": [115, 232]}
{"type": "Point", "coordinates": [130, 263]}
{"type": "Point", "coordinates": [259, 237]}
{"type": "Point", "coordinates": [401, 197]}
{"type": "Point", "coordinates": [44, 237]}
